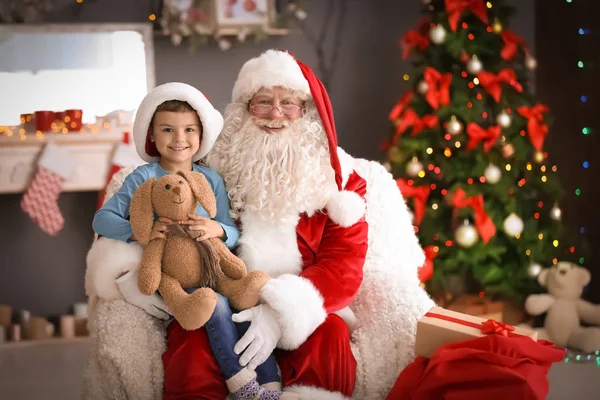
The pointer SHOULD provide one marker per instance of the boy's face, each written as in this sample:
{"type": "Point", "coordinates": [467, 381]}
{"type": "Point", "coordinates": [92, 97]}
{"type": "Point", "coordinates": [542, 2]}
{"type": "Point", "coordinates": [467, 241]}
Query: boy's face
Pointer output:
{"type": "Point", "coordinates": [176, 135]}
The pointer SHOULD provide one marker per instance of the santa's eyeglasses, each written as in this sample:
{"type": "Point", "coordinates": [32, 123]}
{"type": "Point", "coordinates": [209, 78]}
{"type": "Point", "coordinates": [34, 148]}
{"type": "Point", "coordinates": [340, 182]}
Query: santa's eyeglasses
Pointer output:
{"type": "Point", "coordinates": [265, 109]}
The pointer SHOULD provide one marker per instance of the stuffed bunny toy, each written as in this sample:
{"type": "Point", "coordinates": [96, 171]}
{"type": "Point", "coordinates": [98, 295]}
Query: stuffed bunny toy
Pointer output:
{"type": "Point", "coordinates": [180, 262]}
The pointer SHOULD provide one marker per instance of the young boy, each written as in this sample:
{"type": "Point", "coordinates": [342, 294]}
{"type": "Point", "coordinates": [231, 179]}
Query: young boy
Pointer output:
{"type": "Point", "coordinates": [174, 127]}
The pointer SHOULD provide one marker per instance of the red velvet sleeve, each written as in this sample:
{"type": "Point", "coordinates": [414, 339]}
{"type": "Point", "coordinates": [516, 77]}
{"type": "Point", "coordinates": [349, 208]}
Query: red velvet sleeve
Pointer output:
{"type": "Point", "coordinates": [338, 269]}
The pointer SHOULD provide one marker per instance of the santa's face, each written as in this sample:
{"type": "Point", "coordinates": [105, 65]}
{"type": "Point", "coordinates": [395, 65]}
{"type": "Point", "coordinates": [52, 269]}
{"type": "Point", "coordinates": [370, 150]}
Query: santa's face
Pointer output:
{"type": "Point", "coordinates": [274, 109]}
{"type": "Point", "coordinates": [274, 176]}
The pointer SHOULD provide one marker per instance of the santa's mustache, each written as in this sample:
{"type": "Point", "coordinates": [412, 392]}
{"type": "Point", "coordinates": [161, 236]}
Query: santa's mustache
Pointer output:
{"type": "Point", "coordinates": [271, 123]}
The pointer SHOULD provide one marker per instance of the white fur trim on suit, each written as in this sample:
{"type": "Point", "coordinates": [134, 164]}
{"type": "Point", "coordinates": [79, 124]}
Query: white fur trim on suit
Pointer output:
{"type": "Point", "coordinates": [313, 393]}
{"type": "Point", "coordinates": [345, 208]}
{"type": "Point", "coordinates": [106, 260]}
{"type": "Point", "coordinates": [299, 306]}
{"type": "Point", "coordinates": [346, 165]}
{"type": "Point", "coordinates": [271, 68]}
{"type": "Point", "coordinates": [211, 119]}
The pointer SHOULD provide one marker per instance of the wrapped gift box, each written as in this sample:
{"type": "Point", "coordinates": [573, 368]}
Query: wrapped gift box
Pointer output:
{"type": "Point", "coordinates": [481, 307]}
{"type": "Point", "coordinates": [441, 326]}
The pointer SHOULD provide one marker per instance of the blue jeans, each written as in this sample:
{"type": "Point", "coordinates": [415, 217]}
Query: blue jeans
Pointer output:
{"type": "Point", "coordinates": [223, 334]}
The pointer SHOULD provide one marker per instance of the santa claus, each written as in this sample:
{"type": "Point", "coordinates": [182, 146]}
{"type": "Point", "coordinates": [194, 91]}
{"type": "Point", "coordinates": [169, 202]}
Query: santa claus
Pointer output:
{"type": "Point", "coordinates": [301, 211]}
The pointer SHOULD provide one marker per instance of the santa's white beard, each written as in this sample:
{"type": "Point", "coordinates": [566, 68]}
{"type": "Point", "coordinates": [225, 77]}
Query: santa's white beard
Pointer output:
{"type": "Point", "coordinates": [273, 176]}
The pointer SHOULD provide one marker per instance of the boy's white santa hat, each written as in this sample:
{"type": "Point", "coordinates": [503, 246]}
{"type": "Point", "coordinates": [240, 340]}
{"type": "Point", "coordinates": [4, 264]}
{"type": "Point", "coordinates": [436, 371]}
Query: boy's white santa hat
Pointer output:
{"type": "Point", "coordinates": [210, 118]}
{"type": "Point", "coordinates": [280, 68]}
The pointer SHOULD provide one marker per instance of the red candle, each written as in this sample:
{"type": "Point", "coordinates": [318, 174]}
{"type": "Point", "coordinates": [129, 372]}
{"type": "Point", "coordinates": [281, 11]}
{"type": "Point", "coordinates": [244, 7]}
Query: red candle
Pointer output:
{"type": "Point", "coordinates": [73, 120]}
{"type": "Point", "coordinates": [44, 120]}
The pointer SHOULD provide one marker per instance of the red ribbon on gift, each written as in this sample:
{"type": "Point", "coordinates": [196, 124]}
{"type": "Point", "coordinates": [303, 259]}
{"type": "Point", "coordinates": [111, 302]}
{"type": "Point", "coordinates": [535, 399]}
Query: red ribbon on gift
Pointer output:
{"type": "Point", "coordinates": [438, 87]}
{"type": "Point", "coordinates": [456, 8]}
{"type": "Point", "coordinates": [402, 104]}
{"type": "Point", "coordinates": [410, 118]}
{"type": "Point", "coordinates": [484, 224]}
{"type": "Point", "coordinates": [493, 83]}
{"type": "Point", "coordinates": [535, 127]}
{"type": "Point", "coordinates": [489, 327]}
{"type": "Point", "coordinates": [411, 40]}
{"type": "Point", "coordinates": [419, 194]}
{"type": "Point", "coordinates": [425, 272]}
{"type": "Point", "coordinates": [512, 41]}
{"type": "Point", "coordinates": [477, 134]}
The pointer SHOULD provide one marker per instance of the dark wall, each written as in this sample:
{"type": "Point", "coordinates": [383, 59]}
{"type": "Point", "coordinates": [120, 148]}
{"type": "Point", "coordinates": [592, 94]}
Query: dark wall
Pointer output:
{"type": "Point", "coordinates": [45, 275]}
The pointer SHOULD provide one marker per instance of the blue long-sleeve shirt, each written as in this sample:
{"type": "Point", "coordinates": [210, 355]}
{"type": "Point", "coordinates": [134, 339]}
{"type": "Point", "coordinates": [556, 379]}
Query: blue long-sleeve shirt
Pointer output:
{"type": "Point", "coordinates": [111, 220]}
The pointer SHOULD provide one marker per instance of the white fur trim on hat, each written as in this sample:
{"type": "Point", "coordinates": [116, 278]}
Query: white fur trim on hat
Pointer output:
{"type": "Point", "coordinates": [271, 68]}
{"type": "Point", "coordinates": [299, 307]}
{"type": "Point", "coordinates": [211, 119]}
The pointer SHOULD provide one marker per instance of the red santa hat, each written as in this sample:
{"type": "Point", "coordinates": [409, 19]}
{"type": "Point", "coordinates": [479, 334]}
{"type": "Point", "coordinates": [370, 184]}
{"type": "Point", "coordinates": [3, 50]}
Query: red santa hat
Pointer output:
{"type": "Point", "coordinates": [210, 118]}
{"type": "Point", "coordinates": [280, 68]}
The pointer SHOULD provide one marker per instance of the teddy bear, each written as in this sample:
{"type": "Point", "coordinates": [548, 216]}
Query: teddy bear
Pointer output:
{"type": "Point", "coordinates": [180, 262]}
{"type": "Point", "coordinates": [565, 309]}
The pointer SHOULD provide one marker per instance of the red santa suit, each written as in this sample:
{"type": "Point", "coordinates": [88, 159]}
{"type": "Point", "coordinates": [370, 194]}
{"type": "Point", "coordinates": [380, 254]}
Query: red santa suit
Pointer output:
{"type": "Point", "coordinates": [315, 262]}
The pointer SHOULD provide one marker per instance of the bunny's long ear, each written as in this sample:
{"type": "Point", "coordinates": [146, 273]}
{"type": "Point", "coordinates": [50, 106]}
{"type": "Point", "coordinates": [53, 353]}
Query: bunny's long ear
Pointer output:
{"type": "Point", "coordinates": [202, 191]}
{"type": "Point", "coordinates": [141, 213]}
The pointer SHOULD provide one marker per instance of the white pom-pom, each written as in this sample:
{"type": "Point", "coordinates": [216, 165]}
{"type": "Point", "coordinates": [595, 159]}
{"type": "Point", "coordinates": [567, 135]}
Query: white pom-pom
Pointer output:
{"type": "Point", "coordinates": [345, 208]}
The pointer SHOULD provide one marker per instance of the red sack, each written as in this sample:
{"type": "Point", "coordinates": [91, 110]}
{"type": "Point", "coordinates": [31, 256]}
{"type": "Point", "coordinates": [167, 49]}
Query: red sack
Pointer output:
{"type": "Point", "coordinates": [491, 367]}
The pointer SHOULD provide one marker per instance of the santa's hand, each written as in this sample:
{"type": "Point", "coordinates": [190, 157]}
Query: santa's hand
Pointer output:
{"type": "Point", "coordinates": [153, 304]}
{"type": "Point", "coordinates": [261, 337]}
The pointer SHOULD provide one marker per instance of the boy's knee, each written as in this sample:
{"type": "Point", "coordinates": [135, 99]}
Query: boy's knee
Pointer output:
{"type": "Point", "coordinates": [222, 309]}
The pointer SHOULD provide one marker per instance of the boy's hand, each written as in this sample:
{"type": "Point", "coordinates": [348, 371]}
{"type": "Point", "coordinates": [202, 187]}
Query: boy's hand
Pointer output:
{"type": "Point", "coordinates": [205, 227]}
{"type": "Point", "coordinates": [159, 230]}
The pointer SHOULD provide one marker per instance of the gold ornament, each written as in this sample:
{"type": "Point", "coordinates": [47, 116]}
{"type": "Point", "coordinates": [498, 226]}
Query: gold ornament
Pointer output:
{"type": "Point", "coordinates": [556, 213]}
{"type": "Point", "coordinates": [466, 235]}
{"type": "Point", "coordinates": [513, 225]}
{"type": "Point", "coordinates": [530, 62]}
{"type": "Point", "coordinates": [454, 126]}
{"type": "Point", "coordinates": [538, 156]}
{"type": "Point", "coordinates": [387, 166]}
{"type": "Point", "coordinates": [508, 150]}
{"type": "Point", "coordinates": [534, 269]}
{"type": "Point", "coordinates": [414, 167]}
{"type": "Point", "coordinates": [474, 66]}
{"type": "Point", "coordinates": [497, 26]}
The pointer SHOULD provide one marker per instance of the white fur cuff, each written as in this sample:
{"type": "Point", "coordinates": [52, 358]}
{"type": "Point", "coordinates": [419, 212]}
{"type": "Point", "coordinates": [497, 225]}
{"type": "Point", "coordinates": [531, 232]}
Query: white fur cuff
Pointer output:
{"type": "Point", "coordinates": [299, 306]}
{"type": "Point", "coordinates": [345, 208]}
{"type": "Point", "coordinates": [315, 393]}
{"type": "Point", "coordinates": [106, 260]}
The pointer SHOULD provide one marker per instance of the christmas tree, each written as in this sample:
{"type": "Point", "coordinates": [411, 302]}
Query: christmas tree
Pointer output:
{"type": "Point", "coordinates": [468, 151]}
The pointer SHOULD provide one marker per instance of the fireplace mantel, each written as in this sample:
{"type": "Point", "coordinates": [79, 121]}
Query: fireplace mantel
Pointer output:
{"type": "Point", "coordinates": [93, 152]}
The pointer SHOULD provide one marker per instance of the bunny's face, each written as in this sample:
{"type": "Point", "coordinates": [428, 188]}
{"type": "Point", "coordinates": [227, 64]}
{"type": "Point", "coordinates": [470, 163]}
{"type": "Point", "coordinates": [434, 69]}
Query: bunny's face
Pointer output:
{"type": "Point", "coordinates": [172, 197]}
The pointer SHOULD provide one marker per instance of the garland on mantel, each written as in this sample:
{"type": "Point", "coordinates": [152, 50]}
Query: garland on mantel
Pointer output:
{"type": "Point", "coordinates": [191, 20]}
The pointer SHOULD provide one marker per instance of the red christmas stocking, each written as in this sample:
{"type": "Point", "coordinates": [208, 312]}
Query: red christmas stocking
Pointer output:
{"type": "Point", "coordinates": [56, 166]}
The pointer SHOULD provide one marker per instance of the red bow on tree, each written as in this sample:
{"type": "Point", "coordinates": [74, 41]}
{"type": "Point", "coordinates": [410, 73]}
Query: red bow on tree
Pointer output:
{"type": "Point", "coordinates": [493, 83]}
{"type": "Point", "coordinates": [412, 39]}
{"type": "Point", "coordinates": [398, 108]}
{"type": "Point", "coordinates": [512, 41]}
{"type": "Point", "coordinates": [456, 7]}
{"type": "Point", "coordinates": [410, 118]}
{"type": "Point", "coordinates": [419, 194]}
{"type": "Point", "coordinates": [438, 87]}
{"type": "Point", "coordinates": [496, 328]}
{"type": "Point", "coordinates": [477, 134]}
{"type": "Point", "coordinates": [425, 271]}
{"type": "Point", "coordinates": [484, 224]}
{"type": "Point", "coordinates": [537, 130]}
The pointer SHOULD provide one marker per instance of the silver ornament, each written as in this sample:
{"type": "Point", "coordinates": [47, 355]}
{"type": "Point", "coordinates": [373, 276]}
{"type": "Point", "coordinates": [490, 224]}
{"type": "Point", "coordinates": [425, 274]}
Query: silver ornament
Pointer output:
{"type": "Point", "coordinates": [513, 225]}
{"type": "Point", "coordinates": [556, 213]}
{"type": "Point", "coordinates": [530, 62]}
{"type": "Point", "coordinates": [414, 167]}
{"type": "Point", "coordinates": [437, 34]}
{"type": "Point", "coordinates": [422, 87]}
{"type": "Point", "coordinates": [503, 119]}
{"type": "Point", "coordinates": [534, 269]}
{"type": "Point", "coordinates": [466, 235]}
{"type": "Point", "coordinates": [454, 126]}
{"type": "Point", "coordinates": [474, 66]}
{"type": "Point", "coordinates": [492, 174]}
